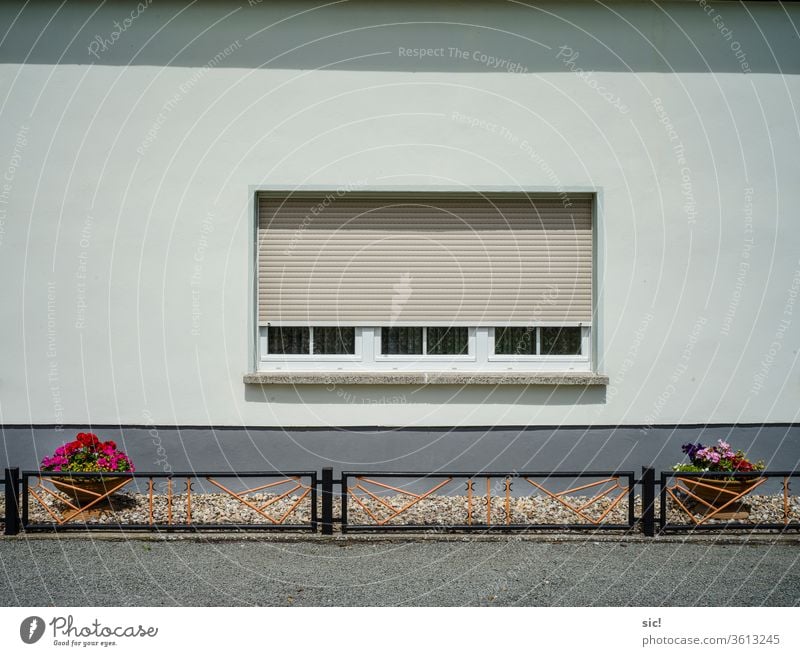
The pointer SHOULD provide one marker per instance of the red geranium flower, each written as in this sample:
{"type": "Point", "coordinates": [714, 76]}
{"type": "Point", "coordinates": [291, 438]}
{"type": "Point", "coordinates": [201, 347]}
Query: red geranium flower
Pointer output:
{"type": "Point", "coordinates": [88, 454]}
{"type": "Point", "coordinates": [88, 441]}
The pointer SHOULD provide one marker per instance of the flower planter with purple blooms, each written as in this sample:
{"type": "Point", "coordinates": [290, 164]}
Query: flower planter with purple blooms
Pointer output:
{"type": "Point", "coordinates": [717, 491]}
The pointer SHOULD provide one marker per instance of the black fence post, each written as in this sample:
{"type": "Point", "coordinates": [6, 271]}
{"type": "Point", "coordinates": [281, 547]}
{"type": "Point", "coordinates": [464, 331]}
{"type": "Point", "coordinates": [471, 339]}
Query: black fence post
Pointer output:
{"type": "Point", "coordinates": [327, 501]}
{"type": "Point", "coordinates": [649, 501]}
{"type": "Point", "coordinates": [12, 500]}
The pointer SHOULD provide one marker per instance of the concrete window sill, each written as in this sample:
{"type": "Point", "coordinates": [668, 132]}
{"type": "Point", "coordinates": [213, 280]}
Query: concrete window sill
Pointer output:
{"type": "Point", "coordinates": [423, 378]}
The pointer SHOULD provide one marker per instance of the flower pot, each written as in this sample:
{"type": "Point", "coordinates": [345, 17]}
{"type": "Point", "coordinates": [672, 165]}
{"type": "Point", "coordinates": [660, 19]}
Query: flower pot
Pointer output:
{"type": "Point", "coordinates": [722, 491]}
{"type": "Point", "coordinates": [88, 488]}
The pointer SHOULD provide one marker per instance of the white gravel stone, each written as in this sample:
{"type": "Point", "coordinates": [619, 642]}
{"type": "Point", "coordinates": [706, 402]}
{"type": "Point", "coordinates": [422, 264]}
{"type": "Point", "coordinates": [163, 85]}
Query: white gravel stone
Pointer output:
{"type": "Point", "coordinates": [436, 511]}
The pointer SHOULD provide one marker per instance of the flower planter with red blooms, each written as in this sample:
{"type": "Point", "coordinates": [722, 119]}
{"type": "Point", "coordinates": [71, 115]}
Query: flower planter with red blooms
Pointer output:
{"type": "Point", "coordinates": [718, 490]}
{"type": "Point", "coordinates": [87, 455]}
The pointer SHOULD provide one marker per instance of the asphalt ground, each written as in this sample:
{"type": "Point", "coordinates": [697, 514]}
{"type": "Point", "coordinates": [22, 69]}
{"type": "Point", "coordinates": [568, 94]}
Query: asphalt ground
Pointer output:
{"type": "Point", "coordinates": [202, 571]}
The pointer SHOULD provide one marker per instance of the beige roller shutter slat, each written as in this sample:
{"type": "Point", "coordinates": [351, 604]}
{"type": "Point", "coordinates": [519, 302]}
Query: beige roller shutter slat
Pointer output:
{"type": "Point", "coordinates": [384, 259]}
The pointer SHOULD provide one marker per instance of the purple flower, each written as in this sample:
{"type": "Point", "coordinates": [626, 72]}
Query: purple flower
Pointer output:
{"type": "Point", "coordinates": [691, 449]}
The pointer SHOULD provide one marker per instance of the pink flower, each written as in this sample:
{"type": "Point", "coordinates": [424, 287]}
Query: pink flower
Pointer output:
{"type": "Point", "coordinates": [55, 462]}
{"type": "Point", "coordinates": [708, 454]}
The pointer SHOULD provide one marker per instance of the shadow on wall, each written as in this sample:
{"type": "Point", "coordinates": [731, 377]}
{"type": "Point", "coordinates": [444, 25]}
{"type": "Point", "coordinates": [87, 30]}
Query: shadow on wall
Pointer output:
{"type": "Point", "coordinates": [469, 395]}
{"type": "Point", "coordinates": [510, 37]}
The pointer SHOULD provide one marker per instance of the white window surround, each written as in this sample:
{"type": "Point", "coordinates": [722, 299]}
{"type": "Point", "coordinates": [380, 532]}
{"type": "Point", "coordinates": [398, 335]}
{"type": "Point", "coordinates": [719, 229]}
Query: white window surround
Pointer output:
{"type": "Point", "coordinates": [480, 358]}
{"type": "Point", "coordinates": [267, 357]}
{"type": "Point", "coordinates": [362, 368]}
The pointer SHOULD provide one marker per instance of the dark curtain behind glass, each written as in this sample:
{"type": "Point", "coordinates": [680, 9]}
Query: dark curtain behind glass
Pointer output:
{"type": "Point", "coordinates": [288, 341]}
{"type": "Point", "coordinates": [448, 341]}
{"type": "Point", "coordinates": [401, 341]}
{"type": "Point", "coordinates": [515, 341]}
{"type": "Point", "coordinates": [560, 341]}
{"type": "Point", "coordinates": [334, 341]}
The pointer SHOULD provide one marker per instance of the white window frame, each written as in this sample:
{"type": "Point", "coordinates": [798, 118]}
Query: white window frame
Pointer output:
{"type": "Point", "coordinates": [480, 355]}
{"type": "Point", "coordinates": [265, 356]}
{"type": "Point", "coordinates": [586, 340]}
{"type": "Point", "coordinates": [424, 357]}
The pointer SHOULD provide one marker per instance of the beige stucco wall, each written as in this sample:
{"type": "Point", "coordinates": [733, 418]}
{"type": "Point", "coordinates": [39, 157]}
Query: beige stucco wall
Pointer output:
{"type": "Point", "coordinates": [127, 178]}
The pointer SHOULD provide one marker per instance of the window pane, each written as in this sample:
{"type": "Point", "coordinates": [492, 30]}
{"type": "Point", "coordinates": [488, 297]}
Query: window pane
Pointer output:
{"type": "Point", "coordinates": [401, 341]}
{"type": "Point", "coordinates": [561, 341]}
{"type": "Point", "coordinates": [334, 341]}
{"type": "Point", "coordinates": [515, 341]}
{"type": "Point", "coordinates": [448, 341]}
{"type": "Point", "coordinates": [287, 341]}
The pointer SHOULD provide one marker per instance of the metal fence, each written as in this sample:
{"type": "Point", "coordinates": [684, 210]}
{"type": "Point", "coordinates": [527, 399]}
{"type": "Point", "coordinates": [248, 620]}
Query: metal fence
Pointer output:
{"type": "Point", "coordinates": [710, 501]}
{"type": "Point", "coordinates": [11, 501]}
{"type": "Point", "coordinates": [369, 501]}
{"type": "Point", "coordinates": [487, 501]}
{"type": "Point", "coordinates": [3, 500]}
{"type": "Point", "coordinates": [180, 501]}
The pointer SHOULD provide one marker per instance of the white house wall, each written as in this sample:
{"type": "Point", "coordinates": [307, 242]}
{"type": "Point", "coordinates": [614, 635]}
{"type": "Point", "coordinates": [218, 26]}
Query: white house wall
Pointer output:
{"type": "Point", "coordinates": [126, 199]}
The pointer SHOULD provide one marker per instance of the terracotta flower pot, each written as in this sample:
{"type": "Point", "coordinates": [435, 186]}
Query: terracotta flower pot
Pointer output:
{"type": "Point", "coordinates": [723, 490]}
{"type": "Point", "coordinates": [89, 488]}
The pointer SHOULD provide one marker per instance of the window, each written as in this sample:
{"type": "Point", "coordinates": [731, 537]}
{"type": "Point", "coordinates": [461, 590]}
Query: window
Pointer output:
{"type": "Point", "coordinates": [544, 340]}
{"type": "Point", "coordinates": [515, 341]}
{"type": "Point", "coordinates": [333, 341]}
{"type": "Point", "coordinates": [278, 342]}
{"type": "Point", "coordinates": [424, 341]}
{"type": "Point", "coordinates": [424, 282]}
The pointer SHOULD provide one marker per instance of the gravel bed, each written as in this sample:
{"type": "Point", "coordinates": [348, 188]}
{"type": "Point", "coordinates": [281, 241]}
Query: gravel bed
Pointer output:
{"type": "Point", "coordinates": [763, 508]}
{"type": "Point", "coordinates": [449, 510]}
{"type": "Point", "coordinates": [133, 508]}
{"type": "Point", "coordinates": [434, 511]}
